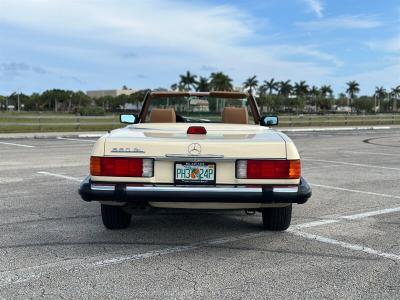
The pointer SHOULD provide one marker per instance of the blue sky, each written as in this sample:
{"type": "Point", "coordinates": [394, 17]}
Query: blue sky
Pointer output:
{"type": "Point", "coordinates": [103, 44]}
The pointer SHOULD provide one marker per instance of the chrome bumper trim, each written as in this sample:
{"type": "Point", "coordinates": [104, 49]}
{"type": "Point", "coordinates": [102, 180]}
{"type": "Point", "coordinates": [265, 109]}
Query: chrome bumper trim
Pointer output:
{"type": "Point", "coordinates": [177, 189]}
{"type": "Point", "coordinates": [97, 187]}
{"type": "Point", "coordinates": [292, 189]}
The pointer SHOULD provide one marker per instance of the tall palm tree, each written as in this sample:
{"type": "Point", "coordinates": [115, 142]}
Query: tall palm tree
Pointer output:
{"type": "Point", "coordinates": [300, 88]}
{"type": "Point", "coordinates": [380, 94]}
{"type": "Point", "coordinates": [262, 99]}
{"type": "Point", "coordinates": [352, 89]}
{"type": "Point", "coordinates": [220, 82]}
{"type": "Point", "coordinates": [202, 85]}
{"type": "Point", "coordinates": [250, 83]}
{"type": "Point", "coordinates": [187, 80]}
{"type": "Point", "coordinates": [326, 90]}
{"type": "Point", "coordinates": [395, 96]}
{"type": "Point", "coordinates": [314, 92]}
{"type": "Point", "coordinates": [271, 85]}
{"type": "Point", "coordinates": [285, 88]}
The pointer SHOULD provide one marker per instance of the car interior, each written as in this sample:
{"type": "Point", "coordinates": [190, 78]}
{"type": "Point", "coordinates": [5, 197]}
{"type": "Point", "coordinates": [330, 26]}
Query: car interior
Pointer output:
{"type": "Point", "coordinates": [230, 115]}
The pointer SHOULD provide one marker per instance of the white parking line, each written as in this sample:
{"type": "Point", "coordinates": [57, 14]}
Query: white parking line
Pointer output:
{"type": "Point", "coordinates": [320, 167]}
{"type": "Point", "coordinates": [60, 176]}
{"type": "Point", "coordinates": [176, 249]}
{"type": "Point", "coordinates": [370, 153]}
{"type": "Point", "coordinates": [354, 191]}
{"type": "Point", "coordinates": [71, 139]}
{"type": "Point", "coordinates": [371, 213]}
{"type": "Point", "coordinates": [346, 245]}
{"type": "Point", "coordinates": [18, 145]}
{"type": "Point", "coordinates": [352, 164]}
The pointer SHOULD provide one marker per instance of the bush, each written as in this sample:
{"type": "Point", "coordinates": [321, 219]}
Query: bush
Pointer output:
{"type": "Point", "coordinates": [91, 111]}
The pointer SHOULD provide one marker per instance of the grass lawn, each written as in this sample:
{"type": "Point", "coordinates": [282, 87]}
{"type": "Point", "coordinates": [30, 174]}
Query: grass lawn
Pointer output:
{"type": "Point", "coordinates": [11, 122]}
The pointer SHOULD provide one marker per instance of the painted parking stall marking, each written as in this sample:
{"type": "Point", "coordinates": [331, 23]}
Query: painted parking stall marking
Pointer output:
{"type": "Point", "coordinates": [17, 145]}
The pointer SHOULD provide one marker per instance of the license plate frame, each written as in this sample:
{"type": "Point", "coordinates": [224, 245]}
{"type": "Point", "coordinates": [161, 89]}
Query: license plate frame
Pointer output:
{"type": "Point", "coordinates": [179, 181]}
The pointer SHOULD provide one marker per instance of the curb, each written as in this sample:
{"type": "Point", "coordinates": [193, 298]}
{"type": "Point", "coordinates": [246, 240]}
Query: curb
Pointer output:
{"type": "Point", "coordinates": [53, 135]}
{"type": "Point", "coordinates": [316, 129]}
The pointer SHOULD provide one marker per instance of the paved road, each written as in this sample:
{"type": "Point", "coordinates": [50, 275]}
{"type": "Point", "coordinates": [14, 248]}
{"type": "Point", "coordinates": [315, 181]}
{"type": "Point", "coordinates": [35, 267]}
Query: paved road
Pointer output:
{"type": "Point", "coordinates": [344, 243]}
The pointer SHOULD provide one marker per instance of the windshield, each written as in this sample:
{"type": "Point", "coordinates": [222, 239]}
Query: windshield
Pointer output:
{"type": "Point", "coordinates": [202, 109]}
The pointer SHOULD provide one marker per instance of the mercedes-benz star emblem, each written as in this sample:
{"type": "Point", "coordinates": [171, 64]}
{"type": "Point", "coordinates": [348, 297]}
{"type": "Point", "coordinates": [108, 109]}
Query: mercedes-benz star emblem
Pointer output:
{"type": "Point", "coordinates": [194, 149]}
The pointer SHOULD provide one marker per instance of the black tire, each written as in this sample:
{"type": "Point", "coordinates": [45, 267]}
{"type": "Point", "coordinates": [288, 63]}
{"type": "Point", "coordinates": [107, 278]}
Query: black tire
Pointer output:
{"type": "Point", "coordinates": [114, 217]}
{"type": "Point", "coordinates": [277, 218]}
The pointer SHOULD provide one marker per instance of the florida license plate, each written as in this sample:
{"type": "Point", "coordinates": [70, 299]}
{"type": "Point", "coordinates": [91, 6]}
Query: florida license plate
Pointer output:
{"type": "Point", "coordinates": [194, 172]}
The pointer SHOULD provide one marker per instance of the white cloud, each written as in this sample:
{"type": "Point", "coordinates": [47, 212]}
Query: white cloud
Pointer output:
{"type": "Point", "coordinates": [167, 37]}
{"type": "Point", "coordinates": [342, 22]}
{"type": "Point", "coordinates": [387, 45]}
{"type": "Point", "coordinates": [315, 6]}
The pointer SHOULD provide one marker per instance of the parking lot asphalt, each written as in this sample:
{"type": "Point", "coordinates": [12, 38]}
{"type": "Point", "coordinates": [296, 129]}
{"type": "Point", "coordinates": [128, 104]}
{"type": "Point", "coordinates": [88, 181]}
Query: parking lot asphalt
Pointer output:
{"type": "Point", "coordinates": [343, 243]}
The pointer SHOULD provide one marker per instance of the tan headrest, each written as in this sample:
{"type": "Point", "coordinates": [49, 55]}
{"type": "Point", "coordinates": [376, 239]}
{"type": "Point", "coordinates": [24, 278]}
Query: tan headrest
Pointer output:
{"type": "Point", "coordinates": [160, 115]}
{"type": "Point", "coordinates": [235, 115]}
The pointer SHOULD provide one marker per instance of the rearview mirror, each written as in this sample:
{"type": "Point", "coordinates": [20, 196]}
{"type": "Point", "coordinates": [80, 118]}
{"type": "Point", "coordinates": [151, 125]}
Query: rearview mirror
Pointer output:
{"type": "Point", "coordinates": [269, 121]}
{"type": "Point", "coordinates": [129, 119]}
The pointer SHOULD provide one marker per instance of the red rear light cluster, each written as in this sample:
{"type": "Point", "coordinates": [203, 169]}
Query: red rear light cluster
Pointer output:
{"type": "Point", "coordinates": [196, 130]}
{"type": "Point", "coordinates": [268, 169]}
{"type": "Point", "coordinates": [121, 166]}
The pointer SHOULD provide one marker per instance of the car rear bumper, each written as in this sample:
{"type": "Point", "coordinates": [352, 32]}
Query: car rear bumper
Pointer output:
{"type": "Point", "coordinates": [142, 194]}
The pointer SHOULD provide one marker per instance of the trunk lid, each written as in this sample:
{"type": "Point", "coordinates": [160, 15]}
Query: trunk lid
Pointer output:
{"type": "Point", "coordinates": [227, 140]}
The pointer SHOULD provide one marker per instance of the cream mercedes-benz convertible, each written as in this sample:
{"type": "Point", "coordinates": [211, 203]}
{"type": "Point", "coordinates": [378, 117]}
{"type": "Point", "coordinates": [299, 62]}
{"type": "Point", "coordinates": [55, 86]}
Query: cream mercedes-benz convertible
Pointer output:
{"type": "Point", "coordinates": [196, 151]}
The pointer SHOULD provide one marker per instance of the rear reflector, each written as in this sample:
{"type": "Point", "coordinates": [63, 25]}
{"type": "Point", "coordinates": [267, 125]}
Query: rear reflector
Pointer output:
{"type": "Point", "coordinates": [268, 169]}
{"type": "Point", "coordinates": [121, 166]}
{"type": "Point", "coordinates": [196, 130]}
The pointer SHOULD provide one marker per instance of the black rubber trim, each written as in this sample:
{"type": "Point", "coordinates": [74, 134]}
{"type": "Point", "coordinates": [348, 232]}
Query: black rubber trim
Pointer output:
{"type": "Point", "coordinates": [121, 195]}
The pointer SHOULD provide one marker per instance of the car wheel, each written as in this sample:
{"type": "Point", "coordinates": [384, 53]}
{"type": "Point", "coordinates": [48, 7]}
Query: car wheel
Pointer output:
{"type": "Point", "coordinates": [114, 217]}
{"type": "Point", "coordinates": [277, 218]}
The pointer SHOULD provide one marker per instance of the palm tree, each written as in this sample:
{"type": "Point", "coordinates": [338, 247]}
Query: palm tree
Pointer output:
{"type": "Point", "coordinates": [380, 94]}
{"type": "Point", "coordinates": [271, 85]}
{"type": "Point", "coordinates": [262, 97]}
{"type": "Point", "coordinates": [202, 85]}
{"type": "Point", "coordinates": [187, 81]}
{"type": "Point", "coordinates": [174, 86]}
{"type": "Point", "coordinates": [314, 92]}
{"type": "Point", "coordinates": [220, 82]}
{"type": "Point", "coordinates": [352, 89]}
{"type": "Point", "coordinates": [395, 96]}
{"type": "Point", "coordinates": [326, 90]}
{"type": "Point", "coordinates": [250, 84]}
{"type": "Point", "coordinates": [285, 88]}
{"type": "Point", "coordinates": [300, 88]}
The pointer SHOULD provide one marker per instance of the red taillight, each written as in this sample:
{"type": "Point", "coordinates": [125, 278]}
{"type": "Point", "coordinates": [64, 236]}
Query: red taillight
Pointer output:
{"type": "Point", "coordinates": [196, 130]}
{"type": "Point", "coordinates": [268, 169]}
{"type": "Point", "coordinates": [121, 167]}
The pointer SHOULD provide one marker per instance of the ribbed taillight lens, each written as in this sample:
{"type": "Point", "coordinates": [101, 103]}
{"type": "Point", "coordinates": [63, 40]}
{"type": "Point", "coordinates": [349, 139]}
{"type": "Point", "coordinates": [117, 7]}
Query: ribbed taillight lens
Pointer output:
{"type": "Point", "coordinates": [268, 169]}
{"type": "Point", "coordinates": [196, 130]}
{"type": "Point", "coordinates": [121, 166]}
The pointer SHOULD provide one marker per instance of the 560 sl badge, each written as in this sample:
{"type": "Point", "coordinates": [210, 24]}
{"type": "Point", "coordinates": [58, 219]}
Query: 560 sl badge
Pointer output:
{"type": "Point", "coordinates": [128, 150]}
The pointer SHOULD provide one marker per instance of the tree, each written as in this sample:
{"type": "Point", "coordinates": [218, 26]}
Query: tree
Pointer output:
{"type": "Point", "coordinates": [300, 88]}
{"type": "Point", "coordinates": [187, 81]}
{"type": "Point", "coordinates": [380, 94]}
{"type": "Point", "coordinates": [395, 96]}
{"type": "Point", "coordinates": [262, 99]}
{"type": "Point", "coordinates": [363, 104]}
{"type": "Point", "coordinates": [220, 82]}
{"type": "Point", "coordinates": [326, 91]}
{"type": "Point", "coordinates": [314, 93]}
{"type": "Point", "coordinates": [352, 89]}
{"type": "Point", "coordinates": [285, 88]}
{"type": "Point", "coordinates": [271, 86]}
{"type": "Point", "coordinates": [250, 84]}
{"type": "Point", "coordinates": [202, 85]}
